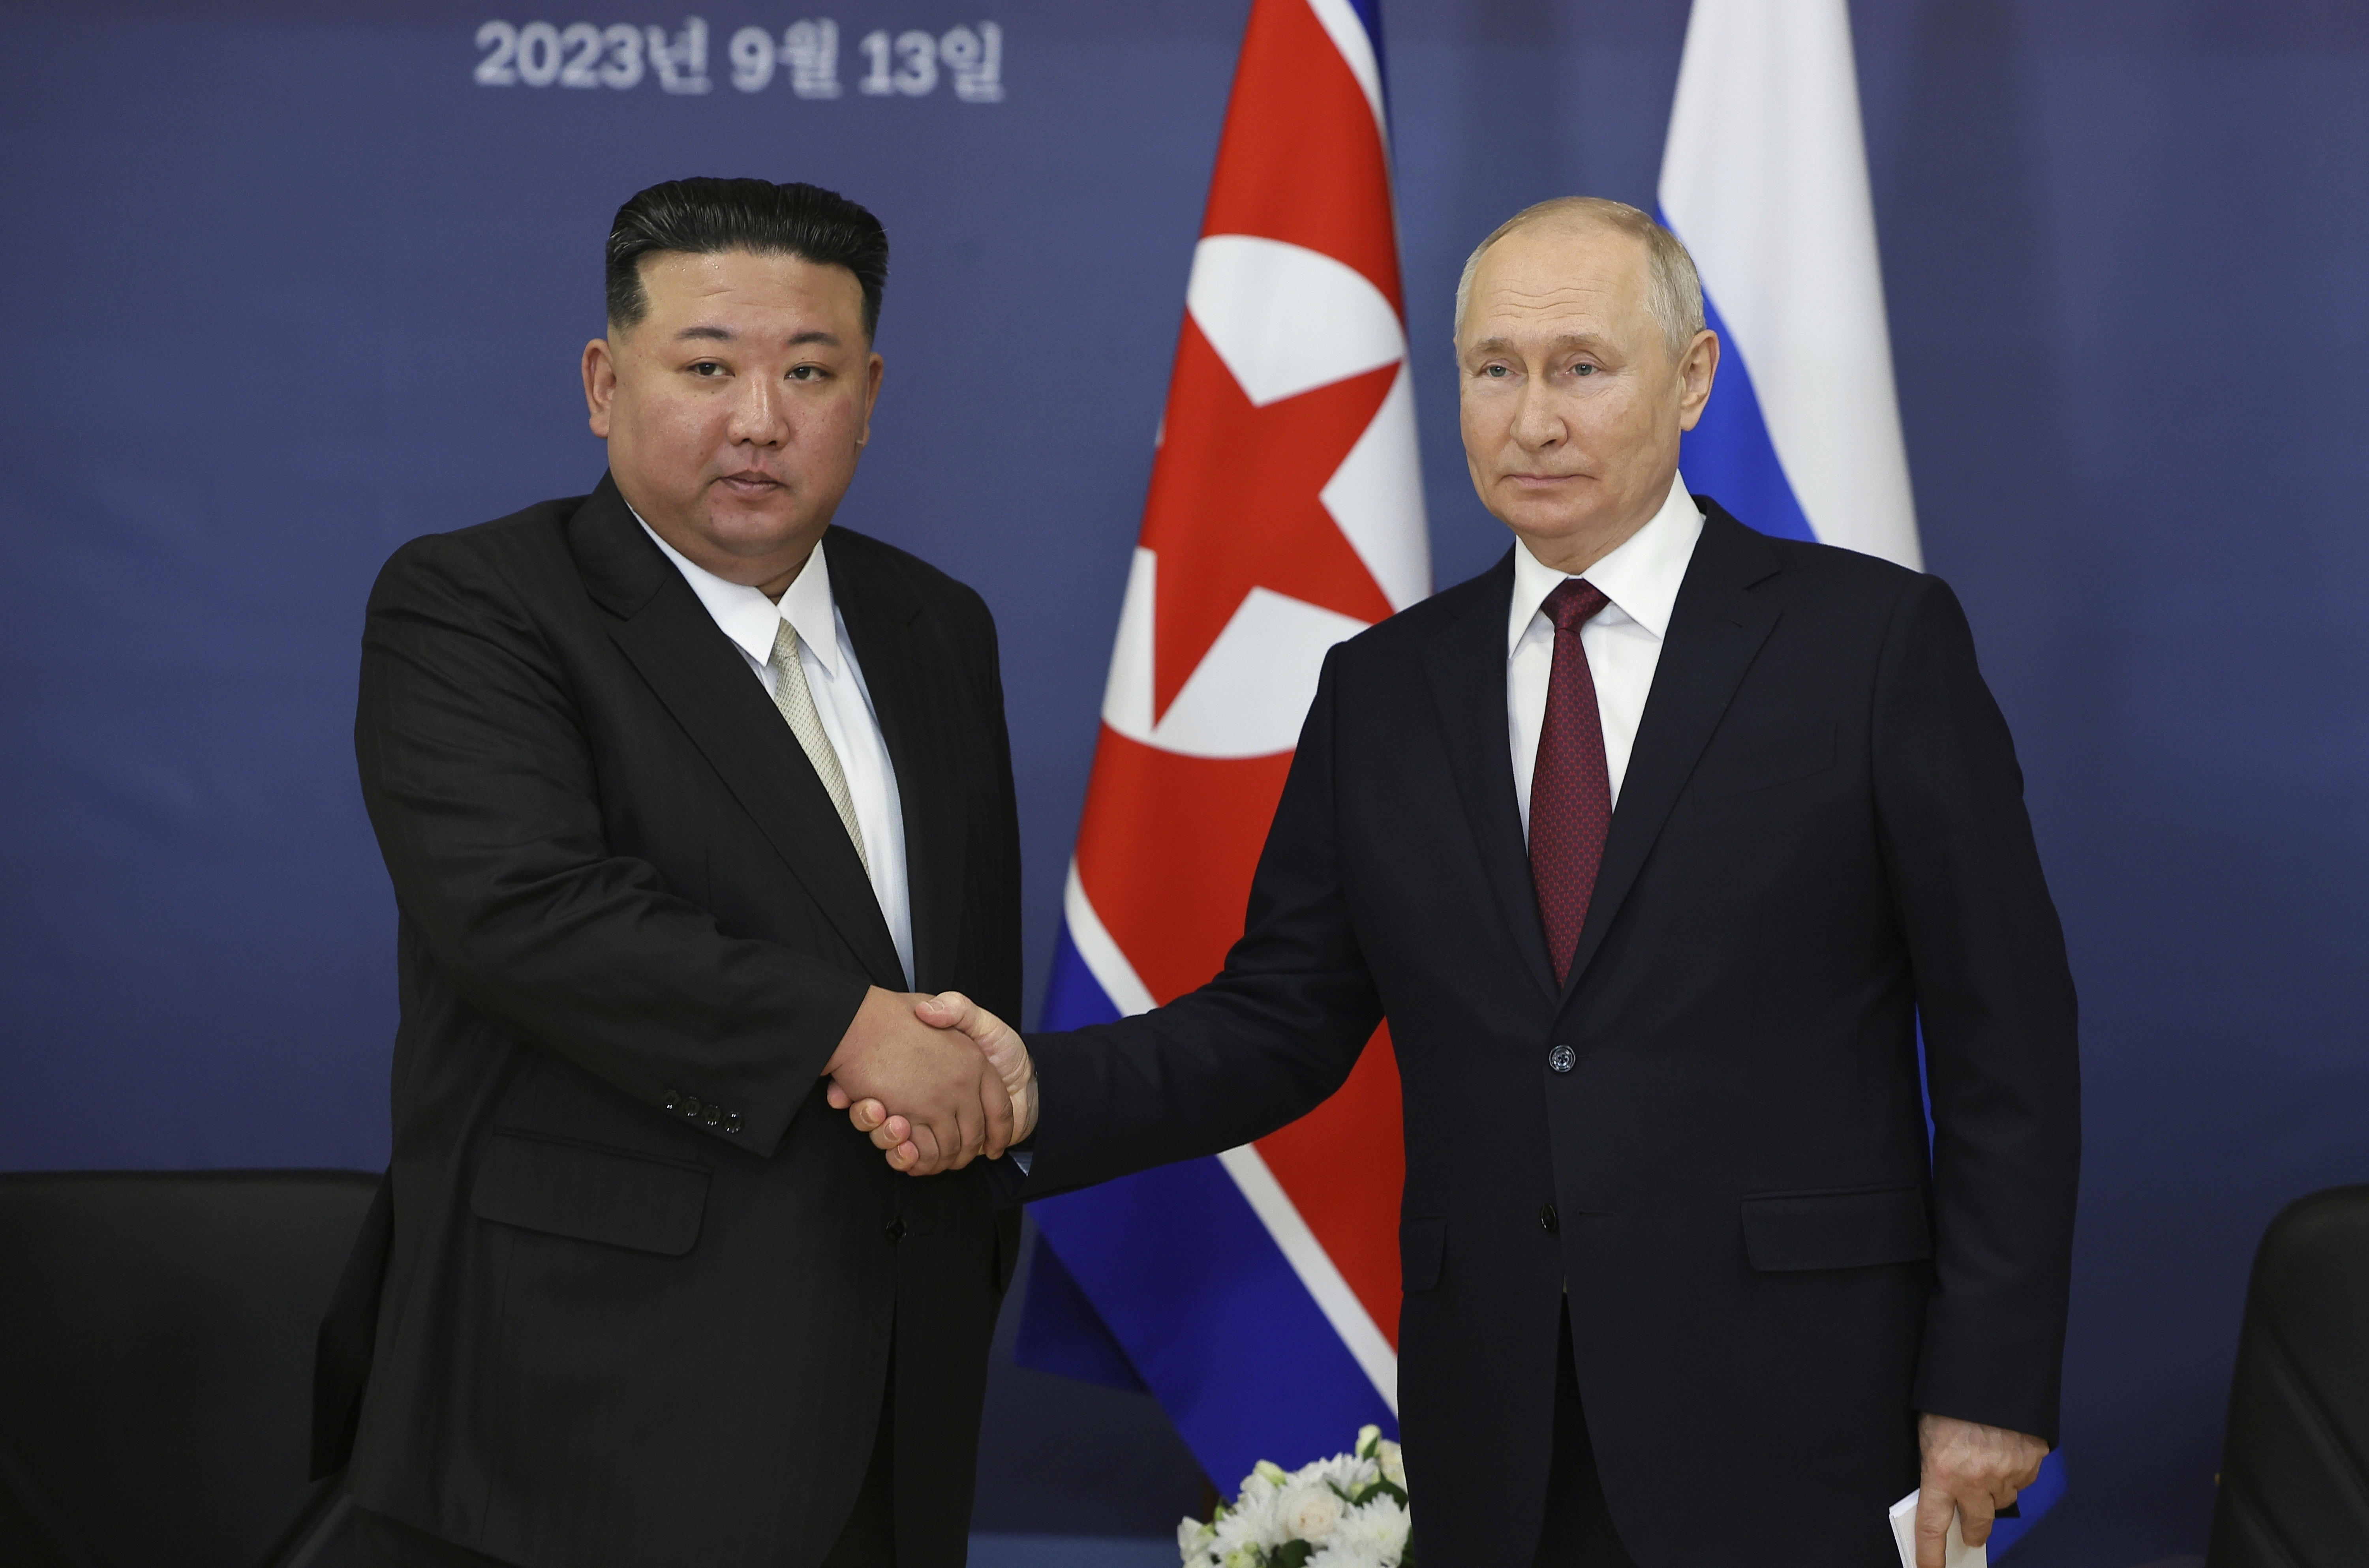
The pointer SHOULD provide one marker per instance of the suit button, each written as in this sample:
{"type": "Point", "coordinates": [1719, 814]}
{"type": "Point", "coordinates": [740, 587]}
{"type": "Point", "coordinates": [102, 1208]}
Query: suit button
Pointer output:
{"type": "Point", "coordinates": [732, 1122]}
{"type": "Point", "coordinates": [1562, 1059]}
{"type": "Point", "coordinates": [674, 1100]}
{"type": "Point", "coordinates": [1547, 1218]}
{"type": "Point", "coordinates": [715, 1114]}
{"type": "Point", "coordinates": [897, 1231]}
{"type": "Point", "coordinates": [690, 1106]}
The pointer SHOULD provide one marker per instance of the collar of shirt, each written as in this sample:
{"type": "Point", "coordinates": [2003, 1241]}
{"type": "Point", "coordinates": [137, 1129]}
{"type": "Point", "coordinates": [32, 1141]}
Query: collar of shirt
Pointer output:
{"type": "Point", "coordinates": [747, 617]}
{"type": "Point", "coordinates": [1640, 577]}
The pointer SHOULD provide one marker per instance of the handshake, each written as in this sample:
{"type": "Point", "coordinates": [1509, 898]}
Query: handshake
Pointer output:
{"type": "Point", "coordinates": [934, 1080]}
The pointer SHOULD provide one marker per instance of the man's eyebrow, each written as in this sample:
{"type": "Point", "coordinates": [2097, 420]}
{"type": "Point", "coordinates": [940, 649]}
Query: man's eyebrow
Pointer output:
{"type": "Point", "coordinates": [1561, 340]}
{"type": "Point", "coordinates": [725, 334]}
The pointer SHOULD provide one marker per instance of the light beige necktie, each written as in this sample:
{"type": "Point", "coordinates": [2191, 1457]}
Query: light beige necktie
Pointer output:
{"type": "Point", "coordinates": [796, 702]}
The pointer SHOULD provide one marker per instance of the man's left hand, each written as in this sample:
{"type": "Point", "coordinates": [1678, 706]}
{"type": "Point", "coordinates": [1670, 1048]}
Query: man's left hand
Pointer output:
{"type": "Point", "coordinates": [1969, 1470]}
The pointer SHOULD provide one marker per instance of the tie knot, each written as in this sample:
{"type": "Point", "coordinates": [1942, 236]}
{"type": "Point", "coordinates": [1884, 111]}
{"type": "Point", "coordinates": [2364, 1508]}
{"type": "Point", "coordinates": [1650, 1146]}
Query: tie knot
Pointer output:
{"type": "Point", "coordinates": [785, 643]}
{"type": "Point", "coordinates": [1573, 603]}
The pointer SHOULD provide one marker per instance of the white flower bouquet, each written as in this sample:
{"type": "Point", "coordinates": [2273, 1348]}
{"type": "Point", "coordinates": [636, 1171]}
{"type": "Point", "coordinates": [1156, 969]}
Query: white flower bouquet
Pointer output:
{"type": "Point", "coordinates": [1349, 1511]}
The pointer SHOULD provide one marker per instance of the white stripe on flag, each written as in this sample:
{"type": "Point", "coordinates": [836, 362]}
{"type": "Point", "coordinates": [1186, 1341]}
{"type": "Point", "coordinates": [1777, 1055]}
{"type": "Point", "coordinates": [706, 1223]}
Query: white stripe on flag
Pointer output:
{"type": "Point", "coordinates": [1103, 960]}
{"type": "Point", "coordinates": [1765, 179]}
{"type": "Point", "coordinates": [1349, 36]}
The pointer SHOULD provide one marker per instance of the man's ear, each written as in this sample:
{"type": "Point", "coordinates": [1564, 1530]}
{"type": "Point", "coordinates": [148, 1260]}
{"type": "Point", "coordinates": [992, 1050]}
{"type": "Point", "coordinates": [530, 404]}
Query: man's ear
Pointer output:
{"type": "Point", "coordinates": [600, 383]}
{"type": "Point", "coordinates": [872, 370]}
{"type": "Point", "coordinates": [1697, 370]}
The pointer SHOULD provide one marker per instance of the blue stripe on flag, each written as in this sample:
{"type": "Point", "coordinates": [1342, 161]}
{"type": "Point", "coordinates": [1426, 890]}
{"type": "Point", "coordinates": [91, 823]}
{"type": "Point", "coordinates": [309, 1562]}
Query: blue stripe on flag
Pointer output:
{"type": "Point", "coordinates": [2031, 1503]}
{"type": "Point", "coordinates": [1728, 455]}
{"type": "Point", "coordinates": [1060, 1332]}
{"type": "Point", "coordinates": [1178, 1276]}
{"type": "Point", "coordinates": [1073, 998]}
{"type": "Point", "coordinates": [1370, 13]}
{"type": "Point", "coordinates": [1213, 1319]}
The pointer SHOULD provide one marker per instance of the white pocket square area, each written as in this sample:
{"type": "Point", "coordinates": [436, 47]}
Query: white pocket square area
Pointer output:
{"type": "Point", "coordinates": [1955, 1552]}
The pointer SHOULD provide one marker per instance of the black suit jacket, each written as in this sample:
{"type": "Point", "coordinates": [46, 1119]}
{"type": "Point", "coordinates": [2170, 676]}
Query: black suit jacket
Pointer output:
{"type": "Point", "coordinates": [644, 1285]}
{"type": "Point", "coordinates": [1821, 839]}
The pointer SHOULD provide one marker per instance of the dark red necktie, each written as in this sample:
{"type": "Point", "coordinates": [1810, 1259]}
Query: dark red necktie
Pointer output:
{"type": "Point", "coordinates": [1571, 790]}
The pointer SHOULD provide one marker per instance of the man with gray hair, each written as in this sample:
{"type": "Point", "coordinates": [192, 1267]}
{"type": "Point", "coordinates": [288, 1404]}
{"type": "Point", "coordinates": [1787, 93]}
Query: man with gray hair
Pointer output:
{"type": "Point", "coordinates": [1657, 844]}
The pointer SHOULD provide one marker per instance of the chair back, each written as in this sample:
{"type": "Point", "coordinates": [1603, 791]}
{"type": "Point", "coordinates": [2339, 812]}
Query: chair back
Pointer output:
{"type": "Point", "coordinates": [2295, 1492]}
{"type": "Point", "coordinates": [155, 1387]}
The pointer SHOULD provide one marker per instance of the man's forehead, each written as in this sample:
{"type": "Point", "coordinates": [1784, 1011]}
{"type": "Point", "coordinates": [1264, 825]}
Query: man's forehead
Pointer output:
{"type": "Point", "coordinates": [693, 278]}
{"type": "Point", "coordinates": [1535, 278]}
{"type": "Point", "coordinates": [1595, 259]}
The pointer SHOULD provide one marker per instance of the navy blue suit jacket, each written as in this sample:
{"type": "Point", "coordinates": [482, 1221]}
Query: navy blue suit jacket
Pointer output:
{"type": "Point", "coordinates": [1821, 839]}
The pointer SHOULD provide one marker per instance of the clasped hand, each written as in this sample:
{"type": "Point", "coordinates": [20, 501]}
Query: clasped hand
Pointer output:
{"type": "Point", "coordinates": [935, 1081]}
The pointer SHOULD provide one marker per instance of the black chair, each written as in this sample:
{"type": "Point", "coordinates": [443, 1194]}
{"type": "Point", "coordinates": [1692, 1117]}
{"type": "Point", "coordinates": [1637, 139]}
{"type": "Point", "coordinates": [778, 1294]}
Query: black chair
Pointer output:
{"type": "Point", "coordinates": [2294, 1466]}
{"type": "Point", "coordinates": [156, 1352]}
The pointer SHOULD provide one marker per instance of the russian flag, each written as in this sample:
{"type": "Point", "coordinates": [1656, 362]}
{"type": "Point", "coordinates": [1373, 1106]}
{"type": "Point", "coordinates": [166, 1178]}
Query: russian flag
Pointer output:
{"type": "Point", "coordinates": [1256, 1294]}
{"type": "Point", "coordinates": [1764, 177]}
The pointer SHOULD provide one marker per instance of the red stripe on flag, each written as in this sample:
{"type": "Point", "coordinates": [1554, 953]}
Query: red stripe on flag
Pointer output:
{"type": "Point", "coordinates": [1344, 1164]}
{"type": "Point", "coordinates": [1302, 159]}
{"type": "Point", "coordinates": [1165, 852]}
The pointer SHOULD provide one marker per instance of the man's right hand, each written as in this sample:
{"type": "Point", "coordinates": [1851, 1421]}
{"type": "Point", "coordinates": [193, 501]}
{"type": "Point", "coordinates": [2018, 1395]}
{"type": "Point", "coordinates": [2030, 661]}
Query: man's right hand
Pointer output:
{"type": "Point", "coordinates": [939, 1081]}
{"type": "Point", "coordinates": [910, 1145]}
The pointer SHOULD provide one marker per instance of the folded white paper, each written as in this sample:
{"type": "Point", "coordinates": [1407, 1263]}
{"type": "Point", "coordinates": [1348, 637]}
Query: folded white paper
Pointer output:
{"type": "Point", "coordinates": [1955, 1552]}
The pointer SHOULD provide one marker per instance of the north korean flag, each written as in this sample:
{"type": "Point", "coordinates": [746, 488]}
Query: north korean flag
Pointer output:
{"type": "Point", "coordinates": [1256, 1294]}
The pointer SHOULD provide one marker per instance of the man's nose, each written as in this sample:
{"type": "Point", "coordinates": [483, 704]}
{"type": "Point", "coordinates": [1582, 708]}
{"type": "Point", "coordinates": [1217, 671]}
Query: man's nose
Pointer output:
{"type": "Point", "coordinates": [760, 412]}
{"type": "Point", "coordinates": [1538, 423]}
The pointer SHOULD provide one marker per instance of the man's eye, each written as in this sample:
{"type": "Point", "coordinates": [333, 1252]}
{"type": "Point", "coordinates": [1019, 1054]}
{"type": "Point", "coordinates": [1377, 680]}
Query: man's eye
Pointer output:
{"type": "Point", "coordinates": [1583, 370]}
{"type": "Point", "coordinates": [707, 368]}
{"type": "Point", "coordinates": [806, 373]}
{"type": "Point", "coordinates": [1496, 373]}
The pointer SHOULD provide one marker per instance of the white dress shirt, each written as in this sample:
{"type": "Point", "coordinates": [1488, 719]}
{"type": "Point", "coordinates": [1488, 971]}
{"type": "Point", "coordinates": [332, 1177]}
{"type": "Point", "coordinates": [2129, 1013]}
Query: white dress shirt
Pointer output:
{"type": "Point", "coordinates": [842, 700]}
{"type": "Point", "coordinates": [1623, 641]}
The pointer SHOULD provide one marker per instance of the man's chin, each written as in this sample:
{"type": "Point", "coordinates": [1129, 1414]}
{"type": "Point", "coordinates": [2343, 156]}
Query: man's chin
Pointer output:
{"type": "Point", "coordinates": [757, 525]}
{"type": "Point", "coordinates": [1541, 522]}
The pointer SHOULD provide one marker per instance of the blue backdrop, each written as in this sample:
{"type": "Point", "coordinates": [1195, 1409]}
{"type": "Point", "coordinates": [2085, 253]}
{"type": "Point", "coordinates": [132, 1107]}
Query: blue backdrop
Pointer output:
{"type": "Point", "coordinates": [279, 292]}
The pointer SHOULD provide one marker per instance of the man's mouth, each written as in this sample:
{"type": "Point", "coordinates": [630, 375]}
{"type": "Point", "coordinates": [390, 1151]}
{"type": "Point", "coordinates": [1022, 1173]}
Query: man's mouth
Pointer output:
{"type": "Point", "coordinates": [751, 481]}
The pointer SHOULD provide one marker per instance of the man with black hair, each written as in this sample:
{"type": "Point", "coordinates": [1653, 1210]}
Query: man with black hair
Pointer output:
{"type": "Point", "coordinates": [683, 791]}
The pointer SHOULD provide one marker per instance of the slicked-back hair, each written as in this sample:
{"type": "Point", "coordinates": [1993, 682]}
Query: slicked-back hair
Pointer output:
{"type": "Point", "coordinates": [705, 217]}
{"type": "Point", "coordinates": [1673, 291]}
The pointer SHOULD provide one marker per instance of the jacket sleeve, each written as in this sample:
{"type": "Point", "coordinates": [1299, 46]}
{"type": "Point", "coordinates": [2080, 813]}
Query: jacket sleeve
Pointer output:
{"type": "Point", "coordinates": [481, 784]}
{"type": "Point", "coordinates": [1994, 1000]}
{"type": "Point", "coordinates": [1264, 1043]}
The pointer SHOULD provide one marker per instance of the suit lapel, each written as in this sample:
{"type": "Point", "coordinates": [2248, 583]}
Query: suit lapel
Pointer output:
{"type": "Point", "coordinates": [910, 700]}
{"type": "Point", "coordinates": [1466, 661]}
{"type": "Point", "coordinates": [1716, 631]}
{"type": "Point", "coordinates": [702, 680]}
